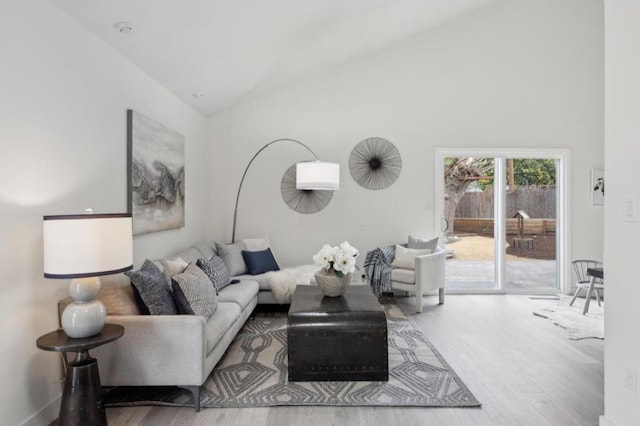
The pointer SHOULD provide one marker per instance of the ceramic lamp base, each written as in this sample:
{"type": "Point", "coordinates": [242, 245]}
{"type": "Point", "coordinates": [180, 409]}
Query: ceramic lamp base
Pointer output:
{"type": "Point", "coordinates": [85, 316]}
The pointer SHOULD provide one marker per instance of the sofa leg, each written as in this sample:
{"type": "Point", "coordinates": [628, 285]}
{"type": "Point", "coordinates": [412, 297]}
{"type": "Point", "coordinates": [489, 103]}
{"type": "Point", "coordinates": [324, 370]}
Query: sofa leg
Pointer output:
{"type": "Point", "coordinates": [441, 296]}
{"type": "Point", "coordinates": [418, 303]}
{"type": "Point", "coordinates": [195, 391]}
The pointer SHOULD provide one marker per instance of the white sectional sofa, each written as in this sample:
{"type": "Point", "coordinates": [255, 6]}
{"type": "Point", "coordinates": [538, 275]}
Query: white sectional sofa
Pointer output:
{"type": "Point", "coordinates": [176, 350]}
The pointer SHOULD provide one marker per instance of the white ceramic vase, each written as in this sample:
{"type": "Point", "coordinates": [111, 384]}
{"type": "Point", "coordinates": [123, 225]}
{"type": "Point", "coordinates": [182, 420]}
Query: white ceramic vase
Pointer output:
{"type": "Point", "coordinates": [331, 284]}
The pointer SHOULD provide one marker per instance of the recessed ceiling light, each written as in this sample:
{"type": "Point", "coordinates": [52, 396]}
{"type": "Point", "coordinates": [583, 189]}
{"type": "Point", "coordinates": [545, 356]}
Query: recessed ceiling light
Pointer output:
{"type": "Point", "coordinates": [197, 95]}
{"type": "Point", "coordinates": [124, 27]}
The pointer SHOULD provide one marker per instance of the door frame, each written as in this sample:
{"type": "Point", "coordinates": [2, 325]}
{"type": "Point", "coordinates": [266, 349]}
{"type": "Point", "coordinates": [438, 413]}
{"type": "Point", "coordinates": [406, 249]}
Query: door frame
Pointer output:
{"type": "Point", "coordinates": [563, 231]}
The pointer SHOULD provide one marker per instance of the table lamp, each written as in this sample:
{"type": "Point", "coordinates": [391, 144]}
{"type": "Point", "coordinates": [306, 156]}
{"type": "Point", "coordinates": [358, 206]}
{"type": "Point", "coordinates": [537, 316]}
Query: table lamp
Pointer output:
{"type": "Point", "coordinates": [84, 247]}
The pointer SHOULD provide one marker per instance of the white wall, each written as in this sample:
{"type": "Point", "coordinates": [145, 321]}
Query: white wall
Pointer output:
{"type": "Point", "coordinates": [622, 151]}
{"type": "Point", "coordinates": [513, 74]}
{"type": "Point", "coordinates": [63, 102]}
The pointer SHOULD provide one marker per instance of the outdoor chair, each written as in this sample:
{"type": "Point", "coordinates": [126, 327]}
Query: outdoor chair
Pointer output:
{"type": "Point", "coordinates": [580, 267]}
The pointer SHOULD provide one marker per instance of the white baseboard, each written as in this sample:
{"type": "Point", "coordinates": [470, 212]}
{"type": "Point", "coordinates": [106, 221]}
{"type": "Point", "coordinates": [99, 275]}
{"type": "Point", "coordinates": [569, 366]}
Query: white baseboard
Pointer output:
{"type": "Point", "coordinates": [45, 416]}
{"type": "Point", "coordinates": [606, 422]}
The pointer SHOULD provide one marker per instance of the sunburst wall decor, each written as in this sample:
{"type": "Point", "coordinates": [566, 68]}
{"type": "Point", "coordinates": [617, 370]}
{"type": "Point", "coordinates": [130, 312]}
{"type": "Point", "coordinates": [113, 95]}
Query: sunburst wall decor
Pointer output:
{"type": "Point", "coordinates": [375, 163]}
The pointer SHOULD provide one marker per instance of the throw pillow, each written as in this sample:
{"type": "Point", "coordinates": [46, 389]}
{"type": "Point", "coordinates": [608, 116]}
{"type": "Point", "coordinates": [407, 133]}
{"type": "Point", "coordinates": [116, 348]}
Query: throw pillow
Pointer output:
{"type": "Point", "coordinates": [259, 262]}
{"type": "Point", "coordinates": [256, 244]}
{"type": "Point", "coordinates": [172, 267]}
{"type": "Point", "coordinates": [150, 290]}
{"type": "Point", "coordinates": [421, 243]}
{"type": "Point", "coordinates": [231, 255]}
{"type": "Point", "coordinates": [406, 257]}
{"type": "Point", "coordinates": [216, 271]}
{"type": "Point", "coordinates": [118, 299]}
{"type": "Point", "coordinates": [194, 293]}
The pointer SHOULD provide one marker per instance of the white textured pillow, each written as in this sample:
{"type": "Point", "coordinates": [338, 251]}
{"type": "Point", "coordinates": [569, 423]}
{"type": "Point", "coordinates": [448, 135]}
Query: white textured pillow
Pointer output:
{"type": "Point", "coordinates": [257, 244]}
{"type": "Point", "coordinates": [173, 267]}
{"type": "Point", "coordinates": [406, 257]}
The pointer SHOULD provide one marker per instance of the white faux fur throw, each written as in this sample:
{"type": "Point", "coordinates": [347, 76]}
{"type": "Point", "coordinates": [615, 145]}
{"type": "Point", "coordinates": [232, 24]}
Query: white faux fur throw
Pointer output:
{"type": "Point", "coordinates": [283, 285]}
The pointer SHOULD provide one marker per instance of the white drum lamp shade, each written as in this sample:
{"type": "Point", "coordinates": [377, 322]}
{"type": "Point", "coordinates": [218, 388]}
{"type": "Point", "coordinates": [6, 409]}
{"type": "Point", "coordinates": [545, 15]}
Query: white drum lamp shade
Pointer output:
{"type": "Point", "coordinates": [318, 175]}
{"type": "Point", "coordinates": [84, 247]}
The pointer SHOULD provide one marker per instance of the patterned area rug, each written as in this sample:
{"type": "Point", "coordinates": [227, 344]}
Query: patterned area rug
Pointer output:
{"type": "Point", "coordinates": [578, 326]}
{"type": "Point", "coordinates": [253, 373]}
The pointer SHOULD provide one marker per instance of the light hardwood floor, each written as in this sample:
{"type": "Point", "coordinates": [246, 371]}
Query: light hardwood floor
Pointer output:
{"type": "Point", "coordinates": [522, 368]}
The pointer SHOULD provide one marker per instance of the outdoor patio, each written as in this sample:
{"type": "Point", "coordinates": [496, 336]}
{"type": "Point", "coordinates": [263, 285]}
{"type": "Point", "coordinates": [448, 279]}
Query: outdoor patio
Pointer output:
{"type": "Point", "coordinates": [472, 268]}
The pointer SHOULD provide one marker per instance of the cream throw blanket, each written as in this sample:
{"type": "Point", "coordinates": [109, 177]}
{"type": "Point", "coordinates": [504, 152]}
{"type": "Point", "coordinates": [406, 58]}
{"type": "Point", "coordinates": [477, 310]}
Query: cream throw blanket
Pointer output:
{"type": "Point", "coordinates": [283, 282]}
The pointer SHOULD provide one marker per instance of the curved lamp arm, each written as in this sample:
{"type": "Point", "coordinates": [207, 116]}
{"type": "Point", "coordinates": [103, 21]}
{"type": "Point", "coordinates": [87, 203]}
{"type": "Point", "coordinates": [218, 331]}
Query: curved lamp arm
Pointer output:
{"type": "Point", "coordinates": [235, 210]}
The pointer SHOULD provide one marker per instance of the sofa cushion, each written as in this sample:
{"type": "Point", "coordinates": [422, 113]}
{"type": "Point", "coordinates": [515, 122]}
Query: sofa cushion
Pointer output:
{"type": "Point", "coordinates": [207, 250]}
{"type": "Point", "coordinates": [242, 293]}
{"type": "Point", "coordinates": [256, 244]}
{"type": "Point", "coordinates": [421, 243]}
{"type": "Point", "coordinates": [218, 324]}
{"type": "Point", "coordinates": [194, 293]}
{"type": "Point", "coordinates": [117, 296]}
{"type": "Point", "coordinates": [259, 262]}
{"type": "Point", "coordinates": [303, 273]}
{"type": "Point", "coordinates": [172, 267]}
{"type": "Point", "coordinates": [216, 271]}
{"type": "Point", "coordinates": [407, 276]}
{"type": "Point", "coordinates": [231, 255]}
{"type": "Point", "coordinates": [151, 291]}
{"type": "Point", "coordinates": [189, 255]}
{"type": "Point", "coordinates": [406, 257]}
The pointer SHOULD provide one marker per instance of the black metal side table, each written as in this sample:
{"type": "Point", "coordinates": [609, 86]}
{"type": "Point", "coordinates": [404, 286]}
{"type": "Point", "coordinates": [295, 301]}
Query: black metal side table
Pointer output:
{"type": "Point", "coordinates": [81, 402]}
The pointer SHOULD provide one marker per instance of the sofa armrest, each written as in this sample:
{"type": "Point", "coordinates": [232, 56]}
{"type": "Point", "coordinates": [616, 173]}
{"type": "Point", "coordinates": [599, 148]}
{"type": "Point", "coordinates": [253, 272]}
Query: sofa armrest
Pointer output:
{"type": "Point", "coordinates": [154, 350]}
{"type": "Point", "coordinates": [430, 270]}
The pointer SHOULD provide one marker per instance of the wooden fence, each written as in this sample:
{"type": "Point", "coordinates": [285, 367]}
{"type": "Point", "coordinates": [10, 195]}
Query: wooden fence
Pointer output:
{"type": "Point", "coordinates": [485, 226]}
{"type": "Point", "coordinates": [536, 202]}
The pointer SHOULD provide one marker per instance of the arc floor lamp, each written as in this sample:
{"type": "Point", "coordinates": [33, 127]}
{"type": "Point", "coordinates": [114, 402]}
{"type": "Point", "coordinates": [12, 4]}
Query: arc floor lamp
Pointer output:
{"type": "Point", "coordinates": [310, 175]}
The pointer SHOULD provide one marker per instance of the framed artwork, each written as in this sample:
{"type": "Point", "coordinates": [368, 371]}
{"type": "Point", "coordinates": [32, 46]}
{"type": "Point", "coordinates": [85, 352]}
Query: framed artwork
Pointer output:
{"type": "Point", "coordinates": [597, 187]}
{"type": "Point", "coordinates": [155, 167]}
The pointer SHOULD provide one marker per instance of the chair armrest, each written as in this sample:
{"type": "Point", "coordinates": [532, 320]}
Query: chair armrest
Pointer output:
{"type": "Point", "coordinates": [430, 270]}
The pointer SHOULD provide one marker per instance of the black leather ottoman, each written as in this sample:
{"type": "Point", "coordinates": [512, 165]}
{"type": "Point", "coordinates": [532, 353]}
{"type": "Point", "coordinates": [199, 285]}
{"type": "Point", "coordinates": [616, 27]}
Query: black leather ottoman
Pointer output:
{"type": "Point", "coordinates": [337, 338]}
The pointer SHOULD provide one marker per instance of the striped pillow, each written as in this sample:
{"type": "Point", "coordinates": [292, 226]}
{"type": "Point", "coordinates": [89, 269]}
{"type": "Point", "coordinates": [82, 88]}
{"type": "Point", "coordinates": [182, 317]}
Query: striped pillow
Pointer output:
{"type": "Point", "coordinates": [216, 270]}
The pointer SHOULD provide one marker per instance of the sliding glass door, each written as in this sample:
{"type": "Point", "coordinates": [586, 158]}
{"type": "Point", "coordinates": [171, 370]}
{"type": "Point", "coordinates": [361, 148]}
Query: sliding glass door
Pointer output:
{"type": "Point", "coordinates": [502, 213]}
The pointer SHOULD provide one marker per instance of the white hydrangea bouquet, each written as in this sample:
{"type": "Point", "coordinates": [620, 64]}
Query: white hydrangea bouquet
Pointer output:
{"type": "Point", "coordinates": [339, 259]}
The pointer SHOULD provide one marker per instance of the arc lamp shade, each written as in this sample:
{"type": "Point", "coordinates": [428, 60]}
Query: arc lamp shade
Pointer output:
{"type": "Point", "coordinates": [318, 175]}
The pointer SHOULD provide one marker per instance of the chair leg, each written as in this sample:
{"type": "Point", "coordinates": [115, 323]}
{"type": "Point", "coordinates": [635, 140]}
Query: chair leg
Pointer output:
{"type": "Point", "coordinates": [441, 296]}
{"type": "Point", "coordinates": [598, 296]}
{"type": "Point", "coordinates": [575, 295]}
{"type": "Point", "coordinates": [418, 302]}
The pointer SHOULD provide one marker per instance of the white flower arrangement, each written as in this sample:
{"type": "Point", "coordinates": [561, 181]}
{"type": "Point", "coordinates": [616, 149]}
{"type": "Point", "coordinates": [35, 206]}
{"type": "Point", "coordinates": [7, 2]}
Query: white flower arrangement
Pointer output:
{"type": "Point", "coordinates": [341, 259]}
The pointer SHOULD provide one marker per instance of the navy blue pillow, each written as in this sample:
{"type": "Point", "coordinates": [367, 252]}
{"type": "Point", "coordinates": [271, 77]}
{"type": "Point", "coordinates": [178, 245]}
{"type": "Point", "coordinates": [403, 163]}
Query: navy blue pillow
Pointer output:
{"type": "Point", "coordinates": [259, 262]}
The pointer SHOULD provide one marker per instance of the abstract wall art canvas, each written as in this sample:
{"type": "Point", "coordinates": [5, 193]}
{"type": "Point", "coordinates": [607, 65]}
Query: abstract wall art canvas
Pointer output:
{"type": "Point", "coordinates": [155, 165]}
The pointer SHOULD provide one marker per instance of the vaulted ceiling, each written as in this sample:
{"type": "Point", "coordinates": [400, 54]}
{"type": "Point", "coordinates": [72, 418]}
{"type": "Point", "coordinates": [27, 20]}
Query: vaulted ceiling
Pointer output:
{"type": "Point", "coordinates": [213, 53]}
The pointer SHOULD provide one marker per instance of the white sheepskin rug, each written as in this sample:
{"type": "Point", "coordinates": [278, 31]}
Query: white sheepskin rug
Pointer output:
{"type": "Point", "coordinates": [283, 285]}
{"type": "Point", "coordinates": [570, 318]}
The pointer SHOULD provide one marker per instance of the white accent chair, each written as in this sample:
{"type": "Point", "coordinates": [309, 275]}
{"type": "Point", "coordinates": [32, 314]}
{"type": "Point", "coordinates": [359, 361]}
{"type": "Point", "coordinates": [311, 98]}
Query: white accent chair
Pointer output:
{"type": "Point", "coordinates": [428, 275]}
{"type": "Point", "coordinates": [580, 267]}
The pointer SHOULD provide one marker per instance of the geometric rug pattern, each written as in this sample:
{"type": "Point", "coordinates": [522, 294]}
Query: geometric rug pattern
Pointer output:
{"type": "Point", "coordinates": [253, 373]}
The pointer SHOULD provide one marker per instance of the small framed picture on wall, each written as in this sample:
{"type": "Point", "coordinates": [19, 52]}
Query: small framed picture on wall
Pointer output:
{"type": "Point", "coordinates": [597, 187]}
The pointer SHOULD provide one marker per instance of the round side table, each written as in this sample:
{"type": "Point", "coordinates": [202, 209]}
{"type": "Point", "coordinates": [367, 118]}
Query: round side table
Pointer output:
{"type": "Point", "coordinates": [81, 402]}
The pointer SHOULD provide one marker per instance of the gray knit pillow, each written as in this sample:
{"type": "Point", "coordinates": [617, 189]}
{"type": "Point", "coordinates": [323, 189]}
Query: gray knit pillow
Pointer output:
{"type": "Point", "coordinates": [150, 290]}
{"type": "Point", "coordinates": [231, 255]}
{"type": "Point", "coordinates": [194, 293]}
{"type": "Point", "coordinates": [216, 271]}
{"type": "Point", "coordinates": [422, 244]}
